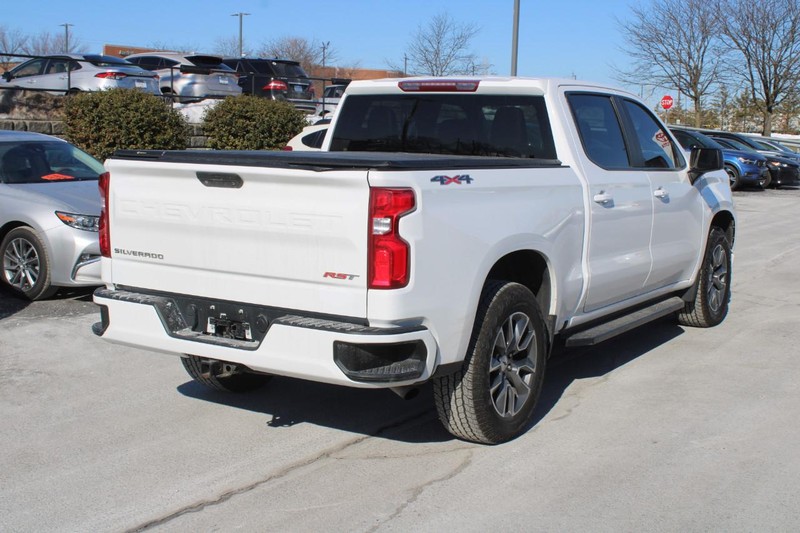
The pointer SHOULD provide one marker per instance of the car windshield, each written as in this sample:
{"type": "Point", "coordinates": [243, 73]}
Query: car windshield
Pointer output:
{"type": "Point", "coordinates": [45, 161]}
{"type": "Point", "coordinates": [739, 145]}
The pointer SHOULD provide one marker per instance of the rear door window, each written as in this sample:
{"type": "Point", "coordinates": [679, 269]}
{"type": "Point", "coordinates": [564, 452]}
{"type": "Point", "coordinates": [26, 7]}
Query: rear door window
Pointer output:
{"type": "Point", "coordinates": [599, 129]}
{"type": "Point", "coordinates": [657, 148]}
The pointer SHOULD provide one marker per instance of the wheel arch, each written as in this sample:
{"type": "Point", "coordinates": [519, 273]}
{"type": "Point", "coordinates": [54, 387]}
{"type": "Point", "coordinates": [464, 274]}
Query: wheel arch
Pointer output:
{"type": "Point", "coordinates": [727, 223]}
{"type": "Point", "coordinates": [11, 225]}
{"type": "Point", "coordinates": [531, 269]}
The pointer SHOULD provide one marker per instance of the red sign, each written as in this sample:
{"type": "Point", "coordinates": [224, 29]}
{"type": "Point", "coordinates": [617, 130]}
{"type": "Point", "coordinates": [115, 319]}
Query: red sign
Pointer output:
{"type": "Point", "coordinates": [666, 102]}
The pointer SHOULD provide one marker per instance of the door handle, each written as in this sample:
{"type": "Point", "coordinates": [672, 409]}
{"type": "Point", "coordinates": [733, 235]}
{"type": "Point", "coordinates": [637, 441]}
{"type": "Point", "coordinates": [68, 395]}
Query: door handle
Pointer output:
{"type": "Point", "coordinates": [661, 193]}
{"type": "Point", "coordinates": [602, 197]}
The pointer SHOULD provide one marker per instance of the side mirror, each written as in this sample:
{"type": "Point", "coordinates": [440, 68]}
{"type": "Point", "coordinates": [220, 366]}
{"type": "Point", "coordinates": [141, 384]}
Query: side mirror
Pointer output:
{"type": "Point", "coordinates": [704, 160]}
{"type": "Point", "coordinates": [7, 76]}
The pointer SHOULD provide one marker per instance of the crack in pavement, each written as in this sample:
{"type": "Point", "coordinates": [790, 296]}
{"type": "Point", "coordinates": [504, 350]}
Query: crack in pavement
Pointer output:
{"type": "Point", "coordinates": [417, 491]}
{"type": "Point", "coordinates": [224, 497]}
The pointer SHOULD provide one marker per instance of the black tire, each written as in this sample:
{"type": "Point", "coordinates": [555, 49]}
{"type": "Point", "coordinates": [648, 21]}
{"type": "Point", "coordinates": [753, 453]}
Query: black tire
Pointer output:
{"type": "Point", "coordinates": [221, 376]}
{"type": "Point", "coordinates": [73, 91]}
{"type": "Point", "coordinates": [713, 294]}
{"type": "Point", "coordinates": [492, 397]}
{"type": "Point", "coordinates": [733, 175]}
{"type": "Point", "coordinates": [26, 264]}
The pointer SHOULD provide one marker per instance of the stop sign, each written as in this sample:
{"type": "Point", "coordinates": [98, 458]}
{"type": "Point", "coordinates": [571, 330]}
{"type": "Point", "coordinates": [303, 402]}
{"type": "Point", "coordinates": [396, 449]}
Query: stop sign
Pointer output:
{"type": "Point", "coordinates": [666, 102]}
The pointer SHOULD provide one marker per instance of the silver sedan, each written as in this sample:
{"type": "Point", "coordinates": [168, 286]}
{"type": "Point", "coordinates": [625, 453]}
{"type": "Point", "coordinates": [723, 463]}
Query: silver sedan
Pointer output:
{"type": "Point", "coordinates": [71, 73]}
{"type": "Point", "coordinates": [49, 213]}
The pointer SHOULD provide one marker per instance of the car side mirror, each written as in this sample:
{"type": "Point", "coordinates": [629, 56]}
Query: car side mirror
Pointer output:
{"type": "Point", "coordinates": [7, 76]}
{"type": "Point", "coordinates": [703, 160]}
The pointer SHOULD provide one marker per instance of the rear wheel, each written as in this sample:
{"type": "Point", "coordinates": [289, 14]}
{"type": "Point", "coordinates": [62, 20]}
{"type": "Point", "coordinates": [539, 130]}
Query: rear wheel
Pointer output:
{"type": "Point", "coordinates": [26, 265]}
{"type": "Point", "coordinates": [710, 304]}
{"type": "Point", "coordinates": [492, 397]}
{"type": "Point", "coordinates": [222, 376]}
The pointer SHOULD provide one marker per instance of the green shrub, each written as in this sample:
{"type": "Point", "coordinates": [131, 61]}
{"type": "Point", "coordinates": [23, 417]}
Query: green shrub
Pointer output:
{"type": "Point", "coordinates": [104, 121]}
{"type": "Point", "coordinates": [251, 123]}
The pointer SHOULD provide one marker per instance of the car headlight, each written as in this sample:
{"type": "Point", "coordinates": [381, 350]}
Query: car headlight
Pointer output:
{"type": "Point", "coordinates": [84, 222]}
{"type": "Point", "coordinates": [746, 161]}
{"type": "Point", "coordinates": [777, 164]}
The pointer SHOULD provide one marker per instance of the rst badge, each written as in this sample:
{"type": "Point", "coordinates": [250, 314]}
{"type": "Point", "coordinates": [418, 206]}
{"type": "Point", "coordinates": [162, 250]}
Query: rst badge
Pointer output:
{"type": "Point", "coordinates": [340, 275]}
{"type": "Point", "coordinates": [447, 180]}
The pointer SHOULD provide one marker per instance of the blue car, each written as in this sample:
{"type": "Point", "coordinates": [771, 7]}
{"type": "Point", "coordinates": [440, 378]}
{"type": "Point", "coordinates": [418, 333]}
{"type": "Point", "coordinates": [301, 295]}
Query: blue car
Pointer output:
{"type": "Point", "coordinates": [743, 167]}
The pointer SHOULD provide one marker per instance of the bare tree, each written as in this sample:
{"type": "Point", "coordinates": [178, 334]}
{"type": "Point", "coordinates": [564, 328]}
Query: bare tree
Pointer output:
{"type": "Point", "coordinates": [767, 34]}
{"type": "Point", "coordinates": [46, 43]}
{"type": "Point", "coordinates": [11, 42]}
{"type": "Point", "coordinates": [308, 53]}
{"type": "Point", "coordinates": [441, 48]}
{"type": "Point", "coordinates": [674, 43]}
{"type": "Point", "coordinates": [229, 47]}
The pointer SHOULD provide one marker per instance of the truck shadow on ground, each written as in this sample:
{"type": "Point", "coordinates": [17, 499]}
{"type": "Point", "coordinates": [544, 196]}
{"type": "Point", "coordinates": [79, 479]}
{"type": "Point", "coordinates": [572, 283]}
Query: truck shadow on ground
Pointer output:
{"type": "Point", "coordinates": [380, 413]}
{"type": "Point", "coordinates": [57, 305]}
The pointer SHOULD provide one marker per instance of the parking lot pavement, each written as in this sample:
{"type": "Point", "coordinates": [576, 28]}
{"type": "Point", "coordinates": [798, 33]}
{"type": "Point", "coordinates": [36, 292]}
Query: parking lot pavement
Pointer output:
{"type": "Point", "coordinates": [664, 429]}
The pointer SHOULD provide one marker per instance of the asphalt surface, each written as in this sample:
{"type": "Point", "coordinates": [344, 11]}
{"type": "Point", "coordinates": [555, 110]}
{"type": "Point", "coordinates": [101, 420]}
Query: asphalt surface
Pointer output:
{"type": "Point", "coordinates": [664, 429]}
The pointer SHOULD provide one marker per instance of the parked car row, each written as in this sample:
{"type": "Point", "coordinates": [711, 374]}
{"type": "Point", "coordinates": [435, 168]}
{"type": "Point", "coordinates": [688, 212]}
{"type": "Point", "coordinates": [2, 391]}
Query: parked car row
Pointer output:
{"type": "Point", "coordinates": [184, 77]}
{"type": "Point", "coordinates": [748, 161]}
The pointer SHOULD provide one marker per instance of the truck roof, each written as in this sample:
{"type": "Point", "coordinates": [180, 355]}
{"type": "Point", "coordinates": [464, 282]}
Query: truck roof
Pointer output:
{"type": "Point", "coordinates": [479, 84]}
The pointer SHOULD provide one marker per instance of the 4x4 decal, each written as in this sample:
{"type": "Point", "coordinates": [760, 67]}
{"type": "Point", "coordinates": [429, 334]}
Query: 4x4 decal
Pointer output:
{"type": "Point", "coordinates": [458, 180]}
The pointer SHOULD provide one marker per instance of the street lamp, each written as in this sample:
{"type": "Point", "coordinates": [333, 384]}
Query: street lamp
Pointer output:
{"type": "Point", "coordinates": [66, 36]}
{"type": "Point", "coordinates": [515, 39]}
{"type": "Point", "coordinates": [241, 42]}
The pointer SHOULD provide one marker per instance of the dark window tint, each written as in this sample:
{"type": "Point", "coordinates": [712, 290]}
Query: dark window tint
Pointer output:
{"type": "Point", "coordinates": [208, 62]}
{"type": "Point", "coordinates": [147, 62]}
{"type": "Point", "coordinates": [657, 148]}
{"type": "Point", "coordinates": [105, 61]}
{"type": "Point", "coordinates": [314, 140]}
{"type": "Point", "coordinates": [461, 124]}
{"type": "Point", "coordinates": [599, 130]}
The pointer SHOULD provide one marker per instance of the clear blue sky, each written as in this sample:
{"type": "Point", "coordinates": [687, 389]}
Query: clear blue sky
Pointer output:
{"type": "Point", "coordinates": [557, 38]}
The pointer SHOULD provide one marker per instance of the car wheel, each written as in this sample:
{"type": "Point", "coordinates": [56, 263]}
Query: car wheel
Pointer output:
{"type": "Point", "coordinates": [492, 397]}
{"type": "Point", "coordinates": [733, 175]}
{"type": "Point", "coordinates": [26, 265]}
{"type": "Point", "coordinates": [222, 376]}
{"type": "Point", "coordinates": [713, 290]}
{"type": "Point", "coordinates": [73, 91]}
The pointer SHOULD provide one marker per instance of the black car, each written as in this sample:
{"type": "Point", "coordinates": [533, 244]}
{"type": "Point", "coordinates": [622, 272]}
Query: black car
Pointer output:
{"type": "Point", "coordinates": [278, 79]}
{"type": "Point", "coordinates": [783, 171]}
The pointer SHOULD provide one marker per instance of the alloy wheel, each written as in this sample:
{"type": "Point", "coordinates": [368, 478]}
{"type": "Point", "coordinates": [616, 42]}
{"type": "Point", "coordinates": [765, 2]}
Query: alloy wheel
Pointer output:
{"type": "Point", "coordinates": [21, 264]}
{"type": "Point", "coordinates": [513, 365]}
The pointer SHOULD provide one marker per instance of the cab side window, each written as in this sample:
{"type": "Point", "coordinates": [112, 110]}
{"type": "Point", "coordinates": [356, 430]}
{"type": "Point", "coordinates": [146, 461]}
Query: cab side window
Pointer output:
{"type": "Point", "coordinates": [599, 129]}
{"type": "Point", "coordinates": [658, 150]}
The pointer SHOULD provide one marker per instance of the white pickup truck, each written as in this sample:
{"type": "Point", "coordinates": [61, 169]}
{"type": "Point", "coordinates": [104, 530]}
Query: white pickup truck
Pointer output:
{"type": "Point", "coordinates": [450, 232]}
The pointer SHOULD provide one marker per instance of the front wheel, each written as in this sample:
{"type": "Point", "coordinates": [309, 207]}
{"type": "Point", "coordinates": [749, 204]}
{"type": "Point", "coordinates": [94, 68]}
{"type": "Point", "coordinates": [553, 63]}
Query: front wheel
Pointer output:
{"type": "Point", "coordinates": [26, 265]}
{"type": "Point", "coordinates": [710, 304]}
{"type": "Point", "coordinates": [492, 397]}
{"type": "Point", "coordinates": [222, 376]}
{"type": "Point", "coordinates": [733, 176]}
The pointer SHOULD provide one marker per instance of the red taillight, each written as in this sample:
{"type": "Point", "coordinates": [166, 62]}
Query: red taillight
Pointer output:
{"type": "Point", "coordinates": [389, 254]}
{"type": "Point", "coordinates": [111, 75]}
{"type": "Point", "coordinates": [439, 86]}
{"type": "Point", "coordinates": [287, 148]}
{"type": "Point", "coordinates": [276, 85]}
{"type": "Point", "coordinates": [105, 231]}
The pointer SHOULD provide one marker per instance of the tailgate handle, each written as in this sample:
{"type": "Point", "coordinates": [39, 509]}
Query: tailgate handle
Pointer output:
{"type": "Point", "coordinates": [223, 180]}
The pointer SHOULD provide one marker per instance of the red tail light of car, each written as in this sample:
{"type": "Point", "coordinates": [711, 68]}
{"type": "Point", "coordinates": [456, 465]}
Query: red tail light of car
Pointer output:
{"type": "Point", "coordinates": [104, 230]}
{"type": "Point", "coordinates": [111, 75]}
{"type": "Point", "coordinates": [276, 85]}
{"type": "Point", "coordinates": [389, 255]}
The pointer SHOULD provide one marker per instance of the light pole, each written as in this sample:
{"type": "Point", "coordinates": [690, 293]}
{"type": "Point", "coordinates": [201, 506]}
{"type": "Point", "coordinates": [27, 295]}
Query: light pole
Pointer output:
{"type": "Point", "coordinates": [515, 39]}
{"type": "Point", "coordinates": [241, 41]}
{"type": "Point", "coordinates": [66, 36]}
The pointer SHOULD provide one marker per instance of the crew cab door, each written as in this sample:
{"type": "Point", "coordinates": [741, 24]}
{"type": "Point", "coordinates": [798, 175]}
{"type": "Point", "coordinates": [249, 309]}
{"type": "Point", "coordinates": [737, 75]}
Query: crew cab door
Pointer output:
{"type": "Point", "coordinates": [620, 204]}
{"type": "Point", "coordinates": [677, 211]}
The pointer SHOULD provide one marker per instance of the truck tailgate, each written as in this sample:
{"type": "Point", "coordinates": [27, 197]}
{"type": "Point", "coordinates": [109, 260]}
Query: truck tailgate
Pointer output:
{"type": "Point", "coordinates": [283, 237]}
